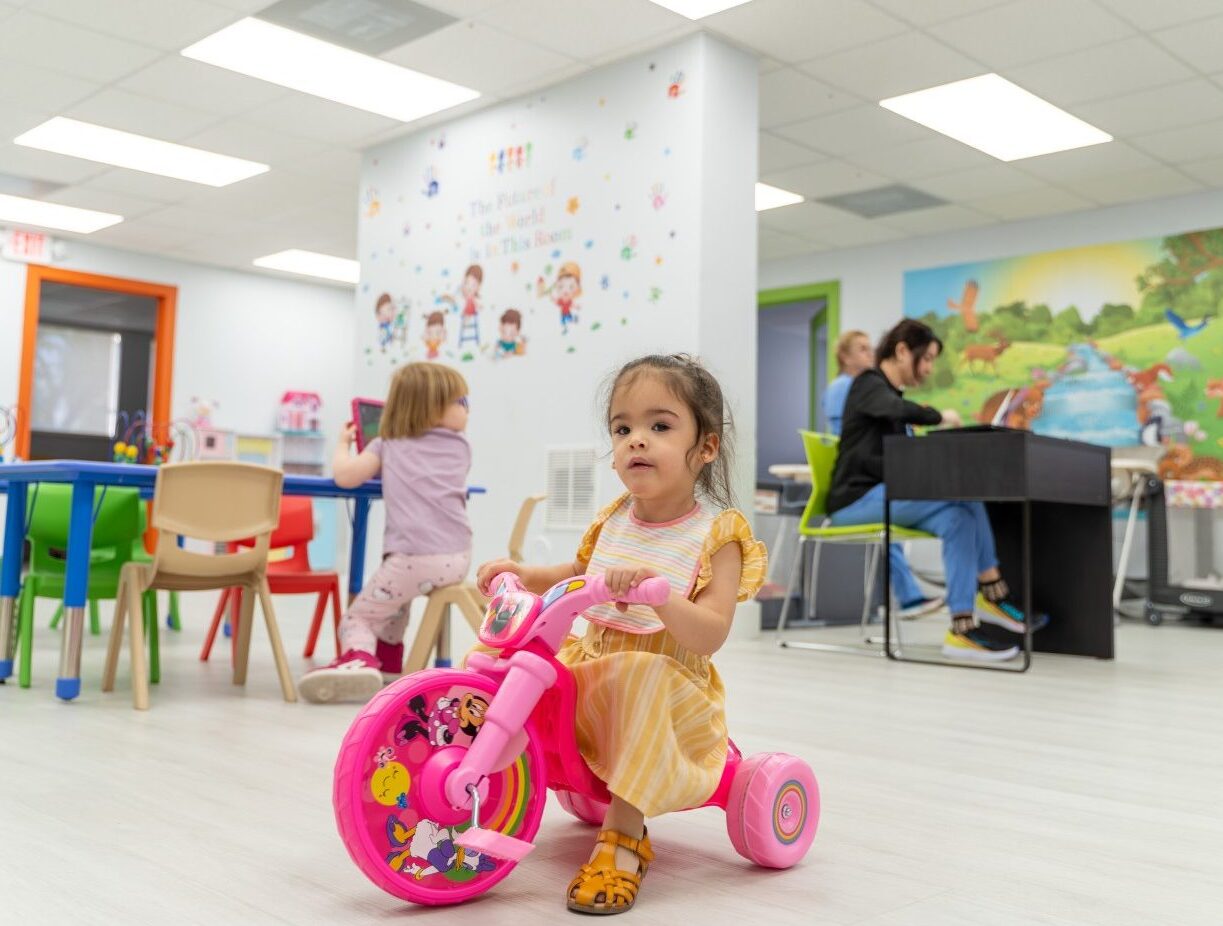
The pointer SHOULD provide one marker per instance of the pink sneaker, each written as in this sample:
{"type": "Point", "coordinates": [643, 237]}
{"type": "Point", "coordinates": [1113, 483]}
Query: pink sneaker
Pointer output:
{"type": "Point", "coordinates": [352, 676]}
{"type": "Point", "coordinates": [390, 655]}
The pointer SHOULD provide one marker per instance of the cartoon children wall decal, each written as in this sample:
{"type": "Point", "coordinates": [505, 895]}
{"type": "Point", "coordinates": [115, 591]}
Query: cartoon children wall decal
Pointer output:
{"type": "Point", "coordinates": [510, 342]}
{"type": "Point", "coordinates": [564, 292]}
{"type": "Point", "coordinates": [435, 334]}
{"type": "Point", "coordinates": [384, 312]}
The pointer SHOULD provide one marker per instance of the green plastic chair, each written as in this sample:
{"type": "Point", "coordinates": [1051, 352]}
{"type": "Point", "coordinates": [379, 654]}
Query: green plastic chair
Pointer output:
{"type": "Point", "coordinates": [118, 523]}
{"type": "Point", "coordinates": [821, 450]}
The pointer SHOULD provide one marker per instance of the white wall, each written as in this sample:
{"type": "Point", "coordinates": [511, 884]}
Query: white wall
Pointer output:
{"type": "Point", "coordinates": [688, 285]}
{"type": "Point", "coordinates": [241, 339]}
{"type": "Point", "coordinates": [872, 277]}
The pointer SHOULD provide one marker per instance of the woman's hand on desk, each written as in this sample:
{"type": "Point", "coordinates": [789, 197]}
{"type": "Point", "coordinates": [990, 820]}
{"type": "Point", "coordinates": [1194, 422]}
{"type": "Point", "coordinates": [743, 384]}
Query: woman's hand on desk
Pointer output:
{"type": "Point", "coordinates": [951, 419]}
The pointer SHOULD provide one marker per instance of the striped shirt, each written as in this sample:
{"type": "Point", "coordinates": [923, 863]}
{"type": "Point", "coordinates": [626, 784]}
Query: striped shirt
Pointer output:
{"type": "Point", "coordinates": [671, 549]}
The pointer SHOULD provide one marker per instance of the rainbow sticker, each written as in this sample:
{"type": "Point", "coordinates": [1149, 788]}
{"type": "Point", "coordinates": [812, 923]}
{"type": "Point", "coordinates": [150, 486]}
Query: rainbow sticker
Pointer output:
{"type": "Point", "coordinates": [789, 812]}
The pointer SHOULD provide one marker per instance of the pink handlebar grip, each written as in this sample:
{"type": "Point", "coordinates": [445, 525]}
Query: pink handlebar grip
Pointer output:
{"type": "Point", "coordinates": [653, 591]}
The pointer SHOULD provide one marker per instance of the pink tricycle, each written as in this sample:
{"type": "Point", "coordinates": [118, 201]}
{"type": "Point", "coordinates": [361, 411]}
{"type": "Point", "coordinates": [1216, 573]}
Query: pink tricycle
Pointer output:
{"type": "Point", "coordinates": [441, 780]}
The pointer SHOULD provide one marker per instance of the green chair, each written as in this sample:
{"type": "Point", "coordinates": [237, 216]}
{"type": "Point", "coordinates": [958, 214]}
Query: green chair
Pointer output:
{"type": "Point", "coordinates": [139, 555]}
{"type": "Point", "coordinates": [118, 523]}
{"type": "Point", "coordinates": [821, 450]}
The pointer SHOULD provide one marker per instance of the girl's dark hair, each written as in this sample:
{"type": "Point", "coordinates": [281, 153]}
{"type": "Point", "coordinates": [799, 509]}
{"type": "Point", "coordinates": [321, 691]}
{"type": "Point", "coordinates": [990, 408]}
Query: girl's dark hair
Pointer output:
{"type": "Point", "coordinates": [915, 335]}
{"type": "Point", "coordinates": [695, 387]}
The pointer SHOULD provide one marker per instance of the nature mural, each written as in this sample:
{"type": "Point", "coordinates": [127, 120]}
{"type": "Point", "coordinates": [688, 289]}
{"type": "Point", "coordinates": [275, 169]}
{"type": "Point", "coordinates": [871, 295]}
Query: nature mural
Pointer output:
{"type": "Point", "coordinates": [1118, 344]}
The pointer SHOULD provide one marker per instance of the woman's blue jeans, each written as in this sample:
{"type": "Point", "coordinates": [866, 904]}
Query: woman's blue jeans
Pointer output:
{"type": "Point", "coordinates": [963, 527]}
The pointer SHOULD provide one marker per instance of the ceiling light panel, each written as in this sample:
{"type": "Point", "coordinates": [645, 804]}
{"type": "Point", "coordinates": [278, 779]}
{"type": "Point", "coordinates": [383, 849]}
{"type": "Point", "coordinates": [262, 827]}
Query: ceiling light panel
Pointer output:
{"type": "Point", "coordinates": [993, 115]}
{"type": "Point", "coordinates": [22, 211]}
{"type": "Point", "coordinates": [309, 65]}
{"type": "Point", "coordinates": [137, 152]}
{"type": "Point", "coordinates": [771, 197]}
{"type": "Point", "coordinates": [312, 264]}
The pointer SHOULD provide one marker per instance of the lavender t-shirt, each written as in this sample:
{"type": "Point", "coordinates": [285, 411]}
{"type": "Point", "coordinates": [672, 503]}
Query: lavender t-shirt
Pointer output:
{"type": "Point", "coordinates": [424, 488]}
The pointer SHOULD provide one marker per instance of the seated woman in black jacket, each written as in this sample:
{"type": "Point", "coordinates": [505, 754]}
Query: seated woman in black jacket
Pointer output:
{"type": "Point", "coordinates": [876, 407]}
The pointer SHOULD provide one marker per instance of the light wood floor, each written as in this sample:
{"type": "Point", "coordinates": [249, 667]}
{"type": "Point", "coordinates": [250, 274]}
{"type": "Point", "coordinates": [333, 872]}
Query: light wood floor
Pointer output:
{"type": "Point", "coordinates": [1082, 793]}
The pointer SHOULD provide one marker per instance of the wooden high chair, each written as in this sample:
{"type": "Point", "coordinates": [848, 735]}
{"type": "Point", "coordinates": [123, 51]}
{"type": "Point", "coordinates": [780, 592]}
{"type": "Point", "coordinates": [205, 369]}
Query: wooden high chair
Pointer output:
{"type": "Point", "coordinates": [219, 502]}
{"type": "Point", "coordinates": [434, 630]}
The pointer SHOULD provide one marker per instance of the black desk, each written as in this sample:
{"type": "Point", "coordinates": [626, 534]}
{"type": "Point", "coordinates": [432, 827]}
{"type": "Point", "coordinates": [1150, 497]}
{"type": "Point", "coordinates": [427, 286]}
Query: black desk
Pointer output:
{"type": "Point", "coordinates": [1048, 502]}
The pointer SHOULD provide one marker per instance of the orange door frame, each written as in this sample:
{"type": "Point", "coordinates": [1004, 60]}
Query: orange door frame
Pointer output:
{"type": "Point", "coordinates": [163, 359]}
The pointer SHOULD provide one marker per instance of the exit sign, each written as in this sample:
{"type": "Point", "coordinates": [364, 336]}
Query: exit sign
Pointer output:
{"type": "Point", "coordinates": [30, 247]}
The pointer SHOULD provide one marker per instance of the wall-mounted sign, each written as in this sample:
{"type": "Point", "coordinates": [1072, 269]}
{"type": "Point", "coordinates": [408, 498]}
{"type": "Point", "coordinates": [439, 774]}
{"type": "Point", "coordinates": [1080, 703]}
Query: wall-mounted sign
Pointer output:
{"type": "Point", "coordinates": [27, 246]}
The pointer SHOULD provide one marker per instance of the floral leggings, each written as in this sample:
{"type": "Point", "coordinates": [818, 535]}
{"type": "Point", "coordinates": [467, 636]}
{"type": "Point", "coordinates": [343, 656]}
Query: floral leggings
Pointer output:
{"type": "Point", "coordinates": [380, 612]}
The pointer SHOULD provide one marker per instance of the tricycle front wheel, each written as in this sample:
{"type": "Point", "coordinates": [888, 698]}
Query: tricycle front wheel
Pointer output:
{"type": "Point", "coordinates": [383, 759]}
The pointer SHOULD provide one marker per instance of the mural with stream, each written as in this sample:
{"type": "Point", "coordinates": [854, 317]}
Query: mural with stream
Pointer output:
{"type": "Point", "coordinates": [1118, 344]}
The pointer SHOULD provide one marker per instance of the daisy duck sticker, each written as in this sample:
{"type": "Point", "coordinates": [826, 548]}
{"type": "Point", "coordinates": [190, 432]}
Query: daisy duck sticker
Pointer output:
{"type": "Point", "coordinates": [564, 292]}
{"type": "Point", "coordinates": [435, 334]}
{"type": "Point", "coordinates": [510, 342]}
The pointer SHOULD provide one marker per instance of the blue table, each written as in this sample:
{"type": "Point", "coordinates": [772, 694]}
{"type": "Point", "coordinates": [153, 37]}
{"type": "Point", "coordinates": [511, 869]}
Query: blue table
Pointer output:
{"type": "Point", "coordinates": [84, 476]}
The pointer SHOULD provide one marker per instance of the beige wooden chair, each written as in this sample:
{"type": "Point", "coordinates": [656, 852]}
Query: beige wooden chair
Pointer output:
{"type": "Point", "coordinates": [219, 502]}
{"type": "Point", "coordinates": [434, 631]}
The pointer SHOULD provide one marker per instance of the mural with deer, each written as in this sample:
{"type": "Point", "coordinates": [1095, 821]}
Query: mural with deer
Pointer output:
{"type": "Point", "coordinates": [1116, 344]}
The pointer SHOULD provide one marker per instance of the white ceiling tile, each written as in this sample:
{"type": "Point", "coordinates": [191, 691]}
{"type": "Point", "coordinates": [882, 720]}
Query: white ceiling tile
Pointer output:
{"type": "Point", "coordinates": [311, 117]}
{"type": "Point", "coordinates": [16, 118]}
{"type": "Point", "coordinates": [1028, 204]}
{"type": "Point", "coordinates": [768, 65]}
{"type": "Point", "coordinates": [979, 182]}
{"type": "Point", "coordinates": [265, 196]}
{"type": "Point", "coordinates": [798, 30]}
{"type": "Point", "coordinates": [1188, 143]}
{"type": "Point", "coordinates": [1148, 16]}
{"type": "Point", "coordinates": [1122, 67]}
{"type": "Point", "coordinates": [336, 166]}
{"type": "Point", "coordinates": [1132, 186]}
{"type": "Point", "coordinates": [896, 65]}
{"type": "Point", "coordinates": [31, 39]}
{"type": "Point", "coordinates": [1196, 42]}
{"type": "Point", "coordinates": [170, 25]}
{"type": "Point", "coordinates": [130, 112]}
{"type": "Point", "coordinates": [477, 56]}
{"type": "Point", "coordinates": [141, 185]}
{"type": "Point", "coordinates": [778, 154]}
{"type": "Point", "coordinates": [85, 197]}
{"type": "Point", "coordinates": [463, 9]}
{"type": "Point", "coordinates": [581, 28]}
{"type": "Point", "coordinates": [775, 246]}
{"type": "Point", "coordinates": [929, 12]}
{"type": "Point", "coordinates": [143, 235]}
{"type": "Point", "coordinates": [824, 178]}
{"type": "Point", "coordinates": [201, 222]}
{"type": "Point", "coordinates": [1209, 171]}
{"type": "Point", "coordinates": [1069, 167]}
{"type": "Point", "coordinates": [788, 96]}
{"type": "Point", "coordinates": [42, 165]}
{"type": "Point", "coordinates": [534, 83]}
{"type": "Point", "coordinates": [180, 80]}
{"type": "Point", "coordinates": [245, 139]}
{"type": "Point", "coordinates": [254, 6]}
{"type": "Point", "coordinates": [855, 232]}
{"type": "Point", "coordinates": [926, 157]}
{"type": "Point", "coordinates": [1028, 30]}
{"type": "Point", "coordinates": [863, 128]}
{"type": "Point", "coordinates": [803, 218]}
{"type": "Point", "coordinates": [937, 219]}
{"type": "Point", "coordinates": [39, 88]}
{"type": "Point", "coordinates": [1147, 111]}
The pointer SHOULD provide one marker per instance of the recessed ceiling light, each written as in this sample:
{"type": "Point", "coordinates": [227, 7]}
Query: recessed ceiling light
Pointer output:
{"type": "Point", "coordinates": [137, 152]}
{"type": "Point", "coordinates": [312, 264]}
{"type": "Point", "coordinates": [24, 211]}
{"type": "Point", "coordinates": [771, 197]}
{"type": "Point", "coordinates": [300, 62]}
{"type": "Point", "coordinates": [994, 115]}
{"type": "Point", "coordinates": [698, 9]}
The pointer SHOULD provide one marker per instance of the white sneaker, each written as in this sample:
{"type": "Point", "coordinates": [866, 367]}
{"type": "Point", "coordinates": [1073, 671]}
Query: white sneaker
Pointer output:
{"type": "Point", "coordinates": [352, 676]}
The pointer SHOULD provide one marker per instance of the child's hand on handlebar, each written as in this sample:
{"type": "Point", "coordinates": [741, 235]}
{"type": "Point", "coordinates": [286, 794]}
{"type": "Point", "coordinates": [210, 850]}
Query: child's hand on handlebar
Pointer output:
{"type": "Point", "coordinates": [620, 581]}
{"type": "Point", "coordinates": [493, 568]}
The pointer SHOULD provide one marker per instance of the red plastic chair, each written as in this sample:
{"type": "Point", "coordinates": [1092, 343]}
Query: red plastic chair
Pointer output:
{"type": "Point", "coordinates": [292, 576]}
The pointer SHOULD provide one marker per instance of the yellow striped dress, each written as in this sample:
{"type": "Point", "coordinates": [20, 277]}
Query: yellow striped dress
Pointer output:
{"type": "Point", "coordinates": [651, 716]}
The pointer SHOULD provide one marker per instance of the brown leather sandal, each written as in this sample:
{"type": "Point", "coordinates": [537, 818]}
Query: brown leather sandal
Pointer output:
{"type": "Point", "coordinates": [602, 888]}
